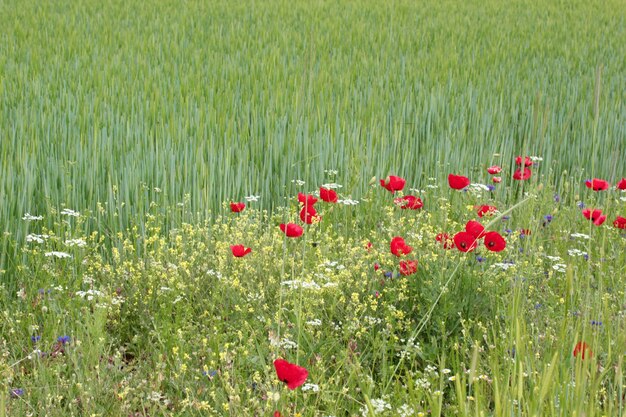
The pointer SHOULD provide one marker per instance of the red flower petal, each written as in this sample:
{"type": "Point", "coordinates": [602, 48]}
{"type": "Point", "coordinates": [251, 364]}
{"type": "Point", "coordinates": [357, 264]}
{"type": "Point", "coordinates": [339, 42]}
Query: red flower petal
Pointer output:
{"type": "Point", "coordinates": [291, 230]}
{"type": "Point", "coordinates": [497, 180]}
{"type": "Point", "coordinates": [583, 350]}
{"type": "Point", "coordinates": [475, 229]}
{"type": "Point", "coordinates": [307, 199]}
{"type": "Point", "coordinates": [308, 215]}
{"type": "Point", "coordinates": [409, 202]}
{"type": "Point", "coordinates": [494, 242]}
{"type": "Point", "coordinates": [240, 251]}
{"type": "Point", "coordinates": [328, 195]}
{"type": "Point", "coordinates": [621, 185]}
{"type": "Point", "coordinates": [465, 242]}
{"type": "Point", "coordinates": [458, 182]}
{"type": "Point", "coordinates": [597, 184]}
{"type": "Point", "coordinates": [399, 247]}
{"type": "Point", "coordinates": [494, 169]}
{"type": "Point", "coordinates": [445, 240]}
{"type": "Point", "coordinates": [486, 210]}
{"type": "Point", "coordinates": [237, 207]}
{"type": "Point", "coordinates": [620, 222]}
{"type": "Point", "coordinates": [393, 183]}
{"type": "Point", "coordinates": [408, 267]}
{"type": "Point", "coordinates": [527, 161]}
{"type": "Point", "coordinates": [595, 216]}
{"type": "Point", "coordinates": [291, 374]}
{"type": "Point", "coordinates": [522, 175]}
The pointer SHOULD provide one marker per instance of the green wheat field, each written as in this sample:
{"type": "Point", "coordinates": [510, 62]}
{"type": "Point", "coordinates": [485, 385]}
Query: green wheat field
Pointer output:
{"type": "Point", "coordinates": [128, 129]}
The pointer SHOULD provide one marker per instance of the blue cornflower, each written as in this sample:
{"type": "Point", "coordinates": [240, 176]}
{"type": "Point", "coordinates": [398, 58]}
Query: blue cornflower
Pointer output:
{"type": "Point", "coordinates": [479, 258]}
{"type": "Point", "coordinates": [63, 339]}
{"type": "Point", "coordinates": [388, 274]}
{"type": "Point", "coordinates": [580, 204]}
{"type": "Point", "coordinates": [35, 339]}
{"type": "Point", "coordinates": [16, 392]}
{"type": "Point", "coordinates": [491, 187]}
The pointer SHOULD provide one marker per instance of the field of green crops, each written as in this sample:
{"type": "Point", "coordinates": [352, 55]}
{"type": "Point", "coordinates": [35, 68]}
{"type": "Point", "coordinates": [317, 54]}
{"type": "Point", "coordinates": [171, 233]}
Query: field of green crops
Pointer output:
{"type": "Point", "coordinates": [127, 129]}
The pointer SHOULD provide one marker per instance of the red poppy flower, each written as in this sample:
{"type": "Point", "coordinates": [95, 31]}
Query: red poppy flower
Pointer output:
{"type": "Point", "coordinates": [376, 267]}
{"type": "Point", "coordinates": [458, 182]}
{"type": "Point", "coordinates": [620, 222]}
{"type": "Point", "coordinates": [369, 246]}
{"type": "Point", "coordinates": [237, 207]}
{"type": "Point", "coordinates": [497, 180]}
{"type": "Point", "coordinates": [465, 242]}
{"type": "Point", "coordinates": [527, 161]}
{"type": "Point", "coordinates": [409, 202]}
{"type": "Point", "coordinates": [240, 251]}
{"type": "Point", "coordinates": [522, 175]}
{"type": "Point", "coordinates": [475, 229]}
{"type": "Point", "coordinates": [291, 374]}
{"type": "Point", "coordinates": [621, 185]}
{"type": "Point", "coordinates": [408, 267]}
{"type": "Point", "coordinates": [308, 215]}
{"type": "Point", "coordinates": [486, 210]}
{"type": "Point", "coordinates": [494, 169]}
{"type": "Point", "coordinates": [277, 414]}
{"type": "Point", "coordinates": [291, 229]}
{"type": "Point", "coordinates": [445, 240]}
{"type": "Point", "coordinates": [328, 195]}
{"type": "Point", "coordinates": [393, 183]}
{"type": "Point", "coordinates": [583, 350]}
{"type": "Point", "coordinates": [494, 242]}
{"type": "Point", "coordinates": [399, 247]}
{"type": "Point", "coordinates": [597, 184]}
{"type": "Point", "coordinates": [307, 199]}
{"type": "Point", "coordinates": [595, 216]}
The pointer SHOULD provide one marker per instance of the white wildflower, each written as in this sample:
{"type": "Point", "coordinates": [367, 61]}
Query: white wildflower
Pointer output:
{"type": "Point", "coordinates": [76, 242]}
{"type": "Point", "coordinates": [348, 202]}
{"type": "Point", "coordinates": [554, 258]}
{"type": "Point", "coordinates": [299, 183]}
{"type": "Point", "coordinates": [58, 254]}
{"type": "Point", "coordinates": [252, 198]}
{"type": "Point", "coordinates": [314, 322]}
{"type": "Point", "coordinates": [332, 186]}
{"type": "Point", "coordinates": [36, 238]}
{"type": "Point", "coordinates": [559, 267]}
{"type": "Point", "coordinates": [576, 252]}
{"type": "Point", "coordinates": [503, 266]}
{"type": "Point", "coordinates": [331, 171]}
{"type": "Point", "coordinates": [580, 235]}
{"type": "Point", "coordinates": [536, 158]}
{"type": "Point", "coordinates": [405, 411]}
{"type": "Point", "coordinates": [311, 387]}
{"type": "Point", "coordinates": [70, 212]}
{"type": "Point", "coordinates": [30, 217]}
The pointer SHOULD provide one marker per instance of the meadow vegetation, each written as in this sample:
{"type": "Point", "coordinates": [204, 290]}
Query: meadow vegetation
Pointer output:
{"type": "Point", "coordinates": [127, 129]}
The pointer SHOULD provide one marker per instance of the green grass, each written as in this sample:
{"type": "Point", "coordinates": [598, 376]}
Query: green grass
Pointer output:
{"type": "Point", "coordinates": [148, 117]}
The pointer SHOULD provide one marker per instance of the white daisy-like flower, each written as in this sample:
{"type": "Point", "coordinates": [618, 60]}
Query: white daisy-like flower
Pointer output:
{"type": "Point", "coordinates": [559, 267]}
{"type": "Point", "coordinates": [76, 242]}
{"type": "Point", "coordinates": [554, 258]}
{"type": "Point", "coordinates": [36, 238]}
{"type": "Point", "coordinates": [56, 254]}
{"type": "Point", "coordinates": [311, 387]}
{"type": "Point", "coordinates": [536, 158]}
{"type": "Point", "coordinates": [348, 202]}
{"type": "Point", "coordinates": [30, 217]}
{"type": "Point", "coordinates": [252, 198]}
{"type": "Point", "coordinates": [70, 212]}
{"type": "Point", "coordinates": [332, 186]}
{"type": "Point", "coordinates": [314, 322]}
{"type": "Point", "coordinates": [580, 235]}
